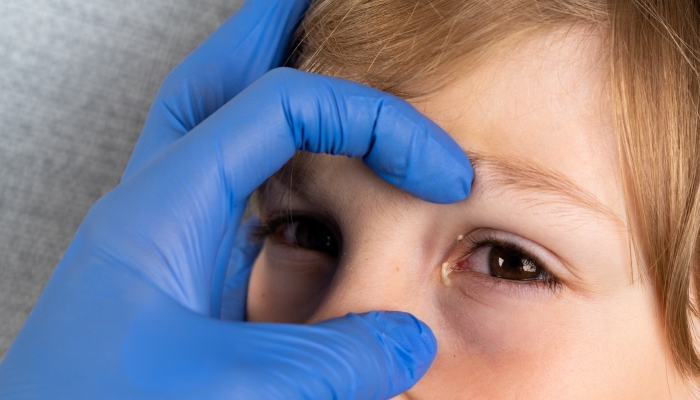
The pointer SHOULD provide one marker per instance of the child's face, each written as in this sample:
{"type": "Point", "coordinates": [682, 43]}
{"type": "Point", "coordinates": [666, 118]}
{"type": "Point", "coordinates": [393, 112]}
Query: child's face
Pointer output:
{"type": "Point", "coordinates": [544, 300]}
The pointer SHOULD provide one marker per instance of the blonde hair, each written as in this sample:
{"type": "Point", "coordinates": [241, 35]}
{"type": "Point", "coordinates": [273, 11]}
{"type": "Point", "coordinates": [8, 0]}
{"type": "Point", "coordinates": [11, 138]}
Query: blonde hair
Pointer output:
{"type": "Point", "coordinates": [411, 47]}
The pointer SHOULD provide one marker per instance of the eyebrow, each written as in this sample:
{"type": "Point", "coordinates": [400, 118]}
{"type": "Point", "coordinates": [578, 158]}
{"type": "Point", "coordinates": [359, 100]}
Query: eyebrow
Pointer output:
{"type": "Point", "coordinates": [491, 173]}
{"type": "Point", "coordinates": [512, 173]}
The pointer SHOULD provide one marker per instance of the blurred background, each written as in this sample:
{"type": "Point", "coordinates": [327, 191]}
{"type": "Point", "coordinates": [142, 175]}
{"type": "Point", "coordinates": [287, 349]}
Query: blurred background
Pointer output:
{"type": "Point", "coordinates": [77, 78]}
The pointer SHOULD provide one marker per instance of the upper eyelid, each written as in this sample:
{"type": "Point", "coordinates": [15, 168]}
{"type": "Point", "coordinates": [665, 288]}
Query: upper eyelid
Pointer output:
{"type": "Point", "coordinates": [302, 188]}
{"type": "Point", "coordinates": [482, 237]}
{"type": "Point", "coordinates": [495, 241]}
{"type": "Point", "coordinates": [268, 225]}
{"type": "Point", "coordinates": [280, 217]}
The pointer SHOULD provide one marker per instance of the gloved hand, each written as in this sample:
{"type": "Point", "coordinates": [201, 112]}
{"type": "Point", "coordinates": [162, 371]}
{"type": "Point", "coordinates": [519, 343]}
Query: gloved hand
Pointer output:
{"type": "Point", "coordinates": [132, 310]}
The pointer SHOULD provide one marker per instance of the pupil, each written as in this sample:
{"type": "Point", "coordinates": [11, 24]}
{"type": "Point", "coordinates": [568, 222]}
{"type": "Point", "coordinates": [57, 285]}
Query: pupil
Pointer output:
{"type": "Point", "coordinates": [313, 235]}
{"type": "Point", "coordinates": [511, 264]}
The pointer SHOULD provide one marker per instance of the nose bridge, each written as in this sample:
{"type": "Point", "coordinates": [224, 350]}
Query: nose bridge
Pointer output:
{"type": "Point", "coordinates": [374, 274]}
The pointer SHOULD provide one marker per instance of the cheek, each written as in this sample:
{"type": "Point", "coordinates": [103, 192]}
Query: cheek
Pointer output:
{"type": "Point", "coordinates": [492, 346]}
{"type": "Point", "coordinates": [489, 349]}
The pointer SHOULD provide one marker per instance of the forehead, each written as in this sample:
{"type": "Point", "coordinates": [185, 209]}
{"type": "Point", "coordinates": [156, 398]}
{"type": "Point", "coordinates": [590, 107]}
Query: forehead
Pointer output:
{"type": "Point", "coordinates": [543, 102]}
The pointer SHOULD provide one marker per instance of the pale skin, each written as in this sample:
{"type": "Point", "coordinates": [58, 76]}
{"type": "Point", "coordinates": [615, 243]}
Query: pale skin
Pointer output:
{"type": "Point", "coordinates": [590, 327]}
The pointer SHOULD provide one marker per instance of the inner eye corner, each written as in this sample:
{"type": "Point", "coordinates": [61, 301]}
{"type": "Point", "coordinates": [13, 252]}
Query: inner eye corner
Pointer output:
{"type": "Point", "coordinates": [448, 266]}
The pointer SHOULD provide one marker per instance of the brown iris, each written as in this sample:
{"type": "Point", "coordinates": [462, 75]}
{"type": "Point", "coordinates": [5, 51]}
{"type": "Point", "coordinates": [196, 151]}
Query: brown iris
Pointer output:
{"type": "Point", "coordinates": [512, 264]}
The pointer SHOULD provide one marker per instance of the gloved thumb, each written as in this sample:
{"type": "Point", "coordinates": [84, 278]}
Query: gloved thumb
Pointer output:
{"type": "Point", "coordinates": [376, 355]}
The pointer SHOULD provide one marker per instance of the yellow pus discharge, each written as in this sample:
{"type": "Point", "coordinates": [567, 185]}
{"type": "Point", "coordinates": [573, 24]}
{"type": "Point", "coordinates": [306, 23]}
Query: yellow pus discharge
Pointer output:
{"type": "Point", "coordinates": [445, 274]}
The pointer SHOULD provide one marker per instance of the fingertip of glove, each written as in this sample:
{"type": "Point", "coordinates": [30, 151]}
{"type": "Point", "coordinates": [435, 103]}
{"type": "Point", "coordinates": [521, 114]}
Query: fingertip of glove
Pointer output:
{"type": "Point", "coordinates": [463, 179]}
{"type": "Point", "coordinates": [407, 331]}
{"type": "Point", "coordinates": [452, 167]}
{"type": "Point", "coordinates": [448, 182]}
{"type": "Point", "coordinates": [409, 342]}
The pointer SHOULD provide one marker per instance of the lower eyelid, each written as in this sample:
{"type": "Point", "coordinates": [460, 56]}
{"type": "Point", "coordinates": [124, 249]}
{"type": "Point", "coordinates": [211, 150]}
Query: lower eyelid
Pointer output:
{"type": "Point", "coordinates": [288, 252]}
{"type": "Point", "coordinates": [469, 281]}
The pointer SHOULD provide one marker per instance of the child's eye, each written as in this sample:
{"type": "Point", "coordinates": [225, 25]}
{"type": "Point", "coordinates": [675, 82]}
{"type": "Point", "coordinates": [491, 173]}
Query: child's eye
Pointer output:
{"type": "Point", "coordinates": [504, 260]}
{"type": "Point", "coordinates": [307, 233]}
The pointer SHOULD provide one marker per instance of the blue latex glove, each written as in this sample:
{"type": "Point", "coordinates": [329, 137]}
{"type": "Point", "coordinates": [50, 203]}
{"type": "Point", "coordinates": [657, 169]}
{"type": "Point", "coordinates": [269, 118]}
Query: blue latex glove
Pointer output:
{"type": "Point", "coordinates": [131, 310]}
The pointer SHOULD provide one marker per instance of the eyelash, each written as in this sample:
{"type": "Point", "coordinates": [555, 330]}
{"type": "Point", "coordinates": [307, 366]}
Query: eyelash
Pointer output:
{"type": "Point", "coordinates": [269, 226]}
{"type": "Point", "coordinates": [549, 282]}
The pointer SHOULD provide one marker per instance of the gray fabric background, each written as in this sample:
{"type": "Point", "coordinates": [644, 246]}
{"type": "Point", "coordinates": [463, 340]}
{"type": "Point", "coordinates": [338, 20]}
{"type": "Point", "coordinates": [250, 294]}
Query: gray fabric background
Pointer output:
{"type": "Point", "coordinates": [76, 80]}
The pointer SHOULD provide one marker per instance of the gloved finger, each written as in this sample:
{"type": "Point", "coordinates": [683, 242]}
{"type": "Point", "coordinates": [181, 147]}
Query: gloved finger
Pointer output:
{"type": "Point", "coordinates": [243, 254]}
{"type": "Point", "coordinates": [289, 110]}
{"type": "Point", "coordinates": [376, 355]}
{"type": "Point", "coordinates": [242, 49]}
